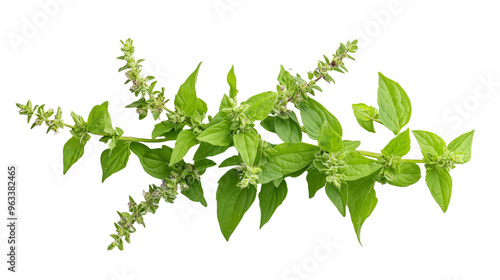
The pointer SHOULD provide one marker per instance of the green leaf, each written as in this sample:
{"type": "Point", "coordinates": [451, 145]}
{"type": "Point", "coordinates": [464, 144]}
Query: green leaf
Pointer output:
{"type": "Point", "coordinates": [195, 193]}
{"type": "Point", "coordinates": [315, 181]}
{"type": "Point", "coordinates": [231, 161]}
{"type": "Point", "coordinates": [365, 115]}
{"type": "Point", "coordinates": [288, 129]}
{"type": "Point", "coordinates": [439, 183]}
{"type": "Point", "coordinates": [430, 144]}
{"type": "Point", "coordinates": [314, 115]}
{"type": "Point", "coordinates": [270, 174]}
{"type": "Point", "coordinates": [329, 140]}
{"type": "Point", "coordinates": [231, 80]}
{"type": "Point", "coordinates": [350, 146]}
{"type": "Point", "coordinates": [407, 174]}
{"type": "Point", "coordinates": [359, 166]}
{"type": "Point", "coordinates": [204, 163]}
{"type": "Point", "coordinates": [218, 134]}
{"type": "Point", "coordinates": [99, 121]}
{"type": "Point", "coordinates": [232, 202]}
{"type": "Point", "coordinates": [462, 145]}
{"type": "Point", "coordinates": [338, 197]}
{"type": "Point", "coordinates": [161, 128]}
{"type": "Point", "coordinates": [153, 161]}
{"type": "Point", "coordinates": [393, 103]}
{"type": "Point", "coordinates": [201, 110]}
{"type": "Point", "coordinates": [73, 151]}
{"type": "Point", "coordinates": [260, 105]}
{"type": "Point", "coordinates": [361, 200]}
{"type": "Point", "coordinates": [287, 159]}
{"type": "Point", "coordinates": [186, 99]}
{"type": "Point", "coordinates": [185, 140]}
{"type": "Point", "coordinates": [247, 143]}
{"type": "Point", "coordinates": [171, 135]}
{"type": "Point", "coordinates": [226, 105]}
{"type": "Point", "coordinates": [399, 145]}
{"type": "Point", "coordinates": [268, 124]}
{"type": "Point", "coordinates": [270, 197]}
{"type": "Point", "coordinates": [115, 160]}
{"type": "Point", "coordinates": [207, 150]}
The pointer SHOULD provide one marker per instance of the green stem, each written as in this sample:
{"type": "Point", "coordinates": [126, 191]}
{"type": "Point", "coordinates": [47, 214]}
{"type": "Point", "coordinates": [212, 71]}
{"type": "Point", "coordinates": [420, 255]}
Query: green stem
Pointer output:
{"type": "Point", "coordinates": [378, 155]}
{"type": "Point", "coordinates": [135, 139]}
{"type": "Point", "coordinates": [370, 154]}
{"type": "Point", "coordinates": [414, 160]}
{"type": "Point", "coordinates": [128, 138]}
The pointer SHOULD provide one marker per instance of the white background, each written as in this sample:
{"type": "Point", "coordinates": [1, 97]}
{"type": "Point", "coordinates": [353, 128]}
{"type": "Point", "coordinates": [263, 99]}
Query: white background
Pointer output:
{"type": "Point", "coordinates": [442, 52]}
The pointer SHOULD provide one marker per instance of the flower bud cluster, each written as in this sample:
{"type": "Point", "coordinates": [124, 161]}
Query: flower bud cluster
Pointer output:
{"type": "Point", "coordinates": [42, 116]}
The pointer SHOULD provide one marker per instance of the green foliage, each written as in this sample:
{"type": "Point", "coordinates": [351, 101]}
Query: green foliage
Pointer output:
{"type": "Point", "coordinates": [393, 103]}
{"type": "Point", "coordinates": [232, 202]}
{"type": "Point", "coordinates": [361, 200]}
{"type": "Point", "coordinates": [366, 115]}
{"type": "Point", "coordinates": [73, 151]}
{"type": "Point", "coordinates": [348, 174]}
{"type": "Point", "coordinates": [270, 197]}
{"type": "Point", "coordinates": [115, 160]}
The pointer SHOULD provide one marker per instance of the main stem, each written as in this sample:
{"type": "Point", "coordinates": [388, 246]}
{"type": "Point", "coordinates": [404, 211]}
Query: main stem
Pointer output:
{"type": "Point", "coordinates": [128, 138]}
{"type": "Point", "coordinates": [379, 155]}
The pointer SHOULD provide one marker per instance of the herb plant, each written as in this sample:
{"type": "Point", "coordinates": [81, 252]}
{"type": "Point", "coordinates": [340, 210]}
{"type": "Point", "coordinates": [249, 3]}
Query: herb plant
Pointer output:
{"type": "Point", "coordinates": [347, 174]}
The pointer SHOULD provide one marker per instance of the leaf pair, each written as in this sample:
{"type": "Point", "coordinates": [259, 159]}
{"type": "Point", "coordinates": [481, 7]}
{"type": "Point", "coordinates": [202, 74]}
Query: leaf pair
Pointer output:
{"type": "Point", "coordinates": [404, 173]}
{"type": "Point", "coordinates": [436, 153]}
{"type": "Point", "coordinates": [98, 122]}
{"type": "Point", "coordinates": [233, 201]}
{"type": "Point", "coordinates": [394, 107]}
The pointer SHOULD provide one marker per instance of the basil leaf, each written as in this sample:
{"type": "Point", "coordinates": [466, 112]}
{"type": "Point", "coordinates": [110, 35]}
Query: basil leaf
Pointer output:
{"type": "Point", "coordinates": [314, 115]}
{"type": "Point", "coordinates": [430, 144]}
{"type": "Point", "coordinates": [201, 110]}
{"type": "Point", "coordinates": [439, 183]}
{"type": "Point", "coordinates": [231, 80]}
{"type": "Point", "coordinates": [99, 121]}
{"type": "Point", "coordinates": [232, 202]}
{"type": "Point", "coordinates": [186, 99]}
{"type": "Point", "coordinates": [359, 166]}
{"type": "Point", "coordinates": [365, 115]}
{"type": "Point", "coordinates": [269, 174]}
{"type": "Point", "coordinates": [218, 134]}
{"type": "Point", "coordinates": [246, 143]}
{"type": "Point", "coordinates": [195, 192]}
{"type": "Point", "coordinates": [73, 151]}
{"type": "Point", "coordinates": [185, 140]}
{"type": "Point", "coordinates": [161, 128]}
{"type": "Point", "coordinates": [407, 174]}
{"type": "Point", "coordinates": [153, 161]}
{"type": "Point", "coordinates": [399, 145]}
{"type": "Point", "coordinates": [288, 129]}
{"type": "Point", "coordinates": [260, 105]}
{"type": "Point", "coordinates": [315, 181]}
{"type": "Point", "coordinates": [350, 146]}
{"type": "Point", "coordinates": [361, 200]}
{"type": "Point", "coordinates": [225, 106]}
{"type": "Point", "coordinates": [287, 159]}
{"type": "Point", "coordinates": [462, 145]}
{"type": "Point", "coordinates": [204, 164]}
{"type": "Point", "coordinates": [231, 161]}
{"type": "Point", "coordinates": [208, 150]}
{"type": "Point", "coordinates": [268, 124]}
{"type": "Point", "coordinates": [329, 140]}
{"type": "Point", "coordinates": [393, 103]}
{"type": "Point", "coordinates": [338, 197]}
{"type": "Point", "coordinates": [114, 160]}
{"type": "Point", "coordinates": [270, 197]}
